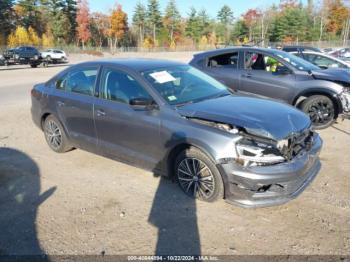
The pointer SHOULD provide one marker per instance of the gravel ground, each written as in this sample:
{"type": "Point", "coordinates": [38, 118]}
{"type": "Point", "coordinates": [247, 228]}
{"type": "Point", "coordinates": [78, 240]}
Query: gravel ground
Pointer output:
{"type": "Point", "coordinates": [80, 203]}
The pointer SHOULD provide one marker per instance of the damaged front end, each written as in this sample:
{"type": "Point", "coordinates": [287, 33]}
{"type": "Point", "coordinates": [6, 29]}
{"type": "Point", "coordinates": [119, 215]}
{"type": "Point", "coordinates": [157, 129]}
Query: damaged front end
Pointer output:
{"type": "Point", "coordinates": [254, 150]}
{"type": "Point", "coordinates": [345, 101]}
{"type": "Point", "coordinates": [264, 171]}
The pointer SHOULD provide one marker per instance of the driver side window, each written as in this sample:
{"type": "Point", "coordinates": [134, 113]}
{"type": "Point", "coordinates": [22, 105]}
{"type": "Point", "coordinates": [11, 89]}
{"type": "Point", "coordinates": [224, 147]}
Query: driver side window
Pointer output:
{"type": "Point", "coordinates": [258, 61]}
{"type": "Point", "coordinates": [121, 87]}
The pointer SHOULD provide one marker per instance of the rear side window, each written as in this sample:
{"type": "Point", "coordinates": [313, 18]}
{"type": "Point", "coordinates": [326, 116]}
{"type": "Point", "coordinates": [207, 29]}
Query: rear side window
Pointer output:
{"type": "Point", "coordinates": [229, 60]}
{"type": "Point", "coordinates": [119, 86]}
{"type": "Point", "coordinates": [80, 81]}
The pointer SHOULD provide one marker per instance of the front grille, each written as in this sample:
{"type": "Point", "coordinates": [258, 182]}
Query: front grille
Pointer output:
{"type": "Point", "coordinates": [297, 143]}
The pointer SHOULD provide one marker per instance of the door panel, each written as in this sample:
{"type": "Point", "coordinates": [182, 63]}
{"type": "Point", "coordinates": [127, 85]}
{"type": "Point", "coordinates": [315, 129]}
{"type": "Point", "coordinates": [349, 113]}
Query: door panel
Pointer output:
{"type": "Point", "coordinates": [72, 98]}
{"type": "Point", "coordinates": [126, 133]}
{"type": "Point", "coordinates": [225, 68]}
{"type": "Point", "coordinates": [260, 77]}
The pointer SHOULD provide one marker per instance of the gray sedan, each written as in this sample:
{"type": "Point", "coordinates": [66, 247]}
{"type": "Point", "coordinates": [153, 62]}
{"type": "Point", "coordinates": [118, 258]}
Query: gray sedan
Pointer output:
{"type": "Point", "coordinates": [173, 119]}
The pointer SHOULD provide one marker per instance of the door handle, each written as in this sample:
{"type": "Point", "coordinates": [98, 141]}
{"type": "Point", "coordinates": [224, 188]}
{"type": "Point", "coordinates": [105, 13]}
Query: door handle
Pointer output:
{"type": "Point", "coordinates": [100, 112]}
{"type": "Point", "coordinates": [247, 75]}
{"type": "Point", "coordinates": [60, 103]}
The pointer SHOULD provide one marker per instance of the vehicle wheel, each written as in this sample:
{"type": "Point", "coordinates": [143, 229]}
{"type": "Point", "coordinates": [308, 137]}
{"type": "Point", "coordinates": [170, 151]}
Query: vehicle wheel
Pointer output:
{"type": "Point", "coordinates": [34, 65]}
{"type": "Point", "coordinates": [320, 109]}
{"type": "Point", "coordinates": [198, 176]}
{"type": "Point", "coordinates": [55, 135]}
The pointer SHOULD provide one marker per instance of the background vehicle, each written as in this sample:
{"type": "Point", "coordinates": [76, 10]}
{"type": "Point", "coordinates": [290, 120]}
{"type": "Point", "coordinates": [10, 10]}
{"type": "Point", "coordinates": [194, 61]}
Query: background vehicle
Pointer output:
{"type": "Point", "coordinates": [270, 73]}
{"type": "Point", "coordinates": [54, 55]}
{"type": "Point", "coordinates": [175, 120]}
{"type": "Point", "coordinates": [22, 55]}
{"type": "Point", "coordinates": [300, 49]}
{"type": "Point", "coordinates": [321, 60]}
{"type": "Point", "coordinates": [342, 52]}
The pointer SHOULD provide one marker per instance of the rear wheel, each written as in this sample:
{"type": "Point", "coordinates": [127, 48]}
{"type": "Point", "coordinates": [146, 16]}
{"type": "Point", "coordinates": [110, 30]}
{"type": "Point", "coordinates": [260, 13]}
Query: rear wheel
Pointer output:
{"type": "Point", "coordinates": [320, 109]}
{"type": "Point", "coordinates": [55, 135]}
{"type": "Point", "coordinates": [198, 176]}
{"type": "Point", "coordinates": [34, 65]}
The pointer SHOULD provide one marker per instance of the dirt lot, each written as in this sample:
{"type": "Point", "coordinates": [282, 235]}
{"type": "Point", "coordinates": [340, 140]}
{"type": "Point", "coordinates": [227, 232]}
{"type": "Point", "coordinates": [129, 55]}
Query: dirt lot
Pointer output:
{"type": "Point", "coordinates": [80, 203]}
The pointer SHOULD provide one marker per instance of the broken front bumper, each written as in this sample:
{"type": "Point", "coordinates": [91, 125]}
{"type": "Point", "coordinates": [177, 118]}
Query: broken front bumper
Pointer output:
{"type": "Point", "coordinates": [345, 100]}
{"type": "Point", "coordinates": [262, 186]}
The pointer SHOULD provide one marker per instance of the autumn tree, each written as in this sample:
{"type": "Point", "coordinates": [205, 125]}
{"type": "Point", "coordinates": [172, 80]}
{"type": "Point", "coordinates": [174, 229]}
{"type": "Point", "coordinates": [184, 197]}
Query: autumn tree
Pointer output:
{"type": "Point", "coordinates": [119, 25]}
{"type": "Point", "coordinates": [250, 18]}
{"type": "Point", "coordinates": [19, 37]}
{"type": "Point", "coordinates": [83, 31]}
{"type": "Point", "coordinates": [34, 39]}
{"type": "Point", "coordinates": [99, 27]}
{"type": "Point", "coordinates": [171, 19]}
{"type": "Point", "coordinates": [154, 18]}
{"type": "Point", "coordinates": [47, 40]}
{"type": "Point", "coordinates": [338, 13]}
{"type": "Point", "coordinates": [139, 20]}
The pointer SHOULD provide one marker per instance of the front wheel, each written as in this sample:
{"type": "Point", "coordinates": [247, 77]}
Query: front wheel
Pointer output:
{"type": "Point", "coordinates": [320, 109]}
{"type": "Point", "coordinates": [198, 176]}
{"type": "Point", "coordinates": [34, 65]}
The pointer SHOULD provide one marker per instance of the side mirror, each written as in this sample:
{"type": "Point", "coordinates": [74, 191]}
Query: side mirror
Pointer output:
{"type": "Point", "coordinates": [282, 70]}
{"type": "Point", "coordinates": [142, 102]}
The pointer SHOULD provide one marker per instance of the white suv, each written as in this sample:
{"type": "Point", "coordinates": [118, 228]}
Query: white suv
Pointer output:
{"type": "Point", "coordinates": [54, 55]}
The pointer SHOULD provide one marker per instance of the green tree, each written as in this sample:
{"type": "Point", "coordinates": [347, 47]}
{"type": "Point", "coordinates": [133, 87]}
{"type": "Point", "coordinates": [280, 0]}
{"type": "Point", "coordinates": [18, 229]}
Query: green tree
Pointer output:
{"type": "Point", "coordinates": [29, 15]}
{"type": "Point", "coordinates": [225, 17]}
{"type": "Point", "coordinates": [171, 18]}
{"type": "Point", "coordinates": [6, 18]}
{"type": "Point", "coordinates": [291, 25]}
{"type": "Point", "coordinates": [204, 25]}
{"type": "Point", "coordinates": [192, 29]}
{"type": "Point", "coordinates": [70, 10]}
{"type": "Point", "coordinates": [60, 27]}
{"type": "Point", "coordinates": [139, 20]}
{"type": "Point", "coordinates": [154, 18]}
{"type": "Point", "coordinates": [240, 30]}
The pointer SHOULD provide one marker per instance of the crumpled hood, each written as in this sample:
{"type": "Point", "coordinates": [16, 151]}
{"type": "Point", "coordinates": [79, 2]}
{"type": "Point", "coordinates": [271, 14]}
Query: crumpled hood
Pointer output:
{"type": "Point", "coordinates": [259, 117]}
{"type": "Point", "coordinates": [332, 74]}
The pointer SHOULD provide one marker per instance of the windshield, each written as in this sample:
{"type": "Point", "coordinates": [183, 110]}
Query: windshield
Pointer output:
{"type": "Point", "coordinates": [184, 84]}
{"type": "Point", "coordinates": [295, 61]}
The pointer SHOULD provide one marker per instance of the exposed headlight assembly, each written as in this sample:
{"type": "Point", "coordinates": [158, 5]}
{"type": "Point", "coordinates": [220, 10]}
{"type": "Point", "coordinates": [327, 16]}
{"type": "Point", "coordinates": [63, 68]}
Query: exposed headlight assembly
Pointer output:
{"type": "Point", "coordinates": [345, 99]}
{"type": "Point", "coordinates": [254, 153]}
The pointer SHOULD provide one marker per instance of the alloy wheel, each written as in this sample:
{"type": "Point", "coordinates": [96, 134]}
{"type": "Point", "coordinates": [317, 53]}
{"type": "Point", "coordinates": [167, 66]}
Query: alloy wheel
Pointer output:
{"type": "Point", "coordinates": [195, 178]}
{"type": "Point", "coordinates": [53, 134]}
{"type": "Point", "coordinates": [321, 112]}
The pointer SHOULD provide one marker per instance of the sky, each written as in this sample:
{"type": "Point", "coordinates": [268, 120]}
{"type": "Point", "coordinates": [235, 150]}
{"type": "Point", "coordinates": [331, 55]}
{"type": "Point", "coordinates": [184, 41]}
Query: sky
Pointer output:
{"type": "Point", "coordinates": [212, 6]}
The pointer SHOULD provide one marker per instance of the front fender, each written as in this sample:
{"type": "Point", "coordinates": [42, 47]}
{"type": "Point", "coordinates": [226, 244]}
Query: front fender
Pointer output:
{"type": "Point", "coordinates": [333, 93]}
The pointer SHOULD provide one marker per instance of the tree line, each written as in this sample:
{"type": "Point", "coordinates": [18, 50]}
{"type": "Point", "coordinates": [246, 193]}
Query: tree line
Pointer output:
{"type": "Point", "coordinates": [65, 22]}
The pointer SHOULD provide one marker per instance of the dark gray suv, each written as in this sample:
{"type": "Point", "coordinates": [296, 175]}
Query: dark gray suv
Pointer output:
{"type": "Point", "coordinates": [173, 119]}
{"type": "Point", "coordinates": [322, 94]}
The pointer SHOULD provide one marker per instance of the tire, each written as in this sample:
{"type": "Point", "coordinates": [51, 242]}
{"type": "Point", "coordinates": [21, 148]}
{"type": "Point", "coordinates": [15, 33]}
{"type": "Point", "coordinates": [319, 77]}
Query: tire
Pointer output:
{"type": "Point", "coordinates": [55, 135]}
{"type": "Point", "coordinates": [206, 185]}
{"type": "Point", "coordinates": [33, 65]}
{"type": "Point", "coordinates": [321, 110]}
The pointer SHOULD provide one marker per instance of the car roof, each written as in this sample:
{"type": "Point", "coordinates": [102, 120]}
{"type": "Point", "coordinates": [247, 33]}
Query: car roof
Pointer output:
{"type": "Point", "coordinates": [236, 49]}
{"type": "Point", "coordinates": [136, 64]}
{"type": "Point", "coordinates": [321, 54]}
